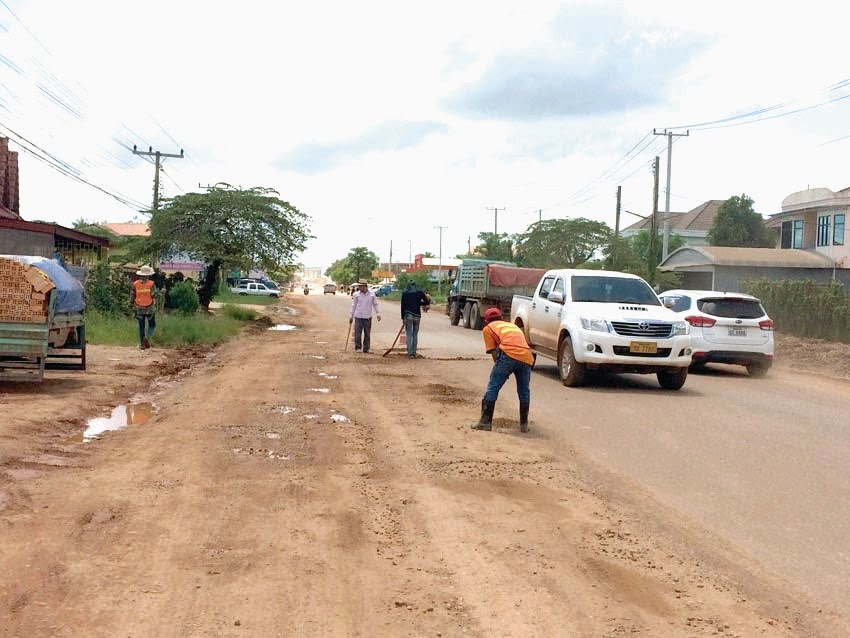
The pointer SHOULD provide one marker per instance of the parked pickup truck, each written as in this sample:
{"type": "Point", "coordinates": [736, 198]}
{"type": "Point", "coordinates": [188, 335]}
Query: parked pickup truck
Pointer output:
{"type": "Point", "coordinates": [252, 288]}
{"type": "Point", "coordinates": [603, 321]}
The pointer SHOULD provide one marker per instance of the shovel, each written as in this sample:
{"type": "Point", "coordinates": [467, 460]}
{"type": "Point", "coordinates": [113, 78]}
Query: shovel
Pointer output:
{"type": "Point", "coordinates": [400, 330]}
{"type": "Point", "coordinates": [347, 337]}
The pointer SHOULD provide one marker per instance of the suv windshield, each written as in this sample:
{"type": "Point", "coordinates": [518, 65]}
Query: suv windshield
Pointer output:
{"type": "Point", "coordinates": [613, 290]}
{"type": "Point", "coordinates": [731, 308]}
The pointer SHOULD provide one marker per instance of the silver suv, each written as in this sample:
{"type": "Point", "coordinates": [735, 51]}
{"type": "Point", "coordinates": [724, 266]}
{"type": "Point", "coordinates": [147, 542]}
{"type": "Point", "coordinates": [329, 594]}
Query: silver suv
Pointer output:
{"type": "Point", "coordinates": [726, 327]}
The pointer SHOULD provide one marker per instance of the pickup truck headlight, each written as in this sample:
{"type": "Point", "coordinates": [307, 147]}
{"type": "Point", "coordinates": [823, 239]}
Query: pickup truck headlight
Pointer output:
{"type": "Point", "coordinates": [598, 325]}
{"type": "Point", "coordinates": [680, 328]}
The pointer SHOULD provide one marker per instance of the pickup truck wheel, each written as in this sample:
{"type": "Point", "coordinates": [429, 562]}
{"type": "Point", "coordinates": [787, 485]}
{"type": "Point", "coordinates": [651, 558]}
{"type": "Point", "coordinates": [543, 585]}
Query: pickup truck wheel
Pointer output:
{"type": "Point", "coordinates": [454, 313]}
{"type": "Point", "coordinates": [467, 314]}
{"type": "Point", "coordinates": [477, 321]}
{"type": "Point", "coordinates": [570, 370]}
{"type": "Point", "coordinates": [672, 380]}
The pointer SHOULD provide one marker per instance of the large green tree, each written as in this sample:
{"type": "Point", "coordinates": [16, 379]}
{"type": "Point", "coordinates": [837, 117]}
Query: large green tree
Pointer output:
{"type": "Point", "coordinates": [737, 224]}
{"type": "Point", "coordinates": [231, 227]}
{"type": "Point", "coordinates": [560, 243]}
{"type": "Point", "coordinates": [496, 247]}
{"type": "Point", "coordinates": [357, 264]}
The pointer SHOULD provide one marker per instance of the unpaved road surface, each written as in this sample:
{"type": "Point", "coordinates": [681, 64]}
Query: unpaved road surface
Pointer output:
{"type": "Point", "coordinates": [287, 488]}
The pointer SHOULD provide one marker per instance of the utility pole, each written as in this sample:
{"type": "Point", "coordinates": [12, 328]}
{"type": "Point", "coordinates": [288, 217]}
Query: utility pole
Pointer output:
{"type": "Point", "coordinates": [539, 215]}
{"type": "Point", "coordinates": [158, 155]}
{"type": "Point", "coordinates": [440, 266]}
{"type": "Point", "coordinates": [653, 227]}
{"type": "Point", "coordinates": [496, 219]}
{"type": "Point", "coordinates": [615, 256]}
{"type": "Point", "coordinates": [670, 135]}
{"type": "Point", "coordinates": [391, 258]}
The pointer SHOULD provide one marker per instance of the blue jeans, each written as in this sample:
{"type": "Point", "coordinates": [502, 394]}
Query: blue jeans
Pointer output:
{"type": "Point", "coordinates": [504, 367]}
{"type": "Point", "coordinates": [411, 332]}
{"type": "Point", "coordinates": [362, 333]}
{"type": "Point", "coordinates": [151, 320]}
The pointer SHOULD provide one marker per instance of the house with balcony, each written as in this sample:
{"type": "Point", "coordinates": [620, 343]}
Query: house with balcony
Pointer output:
{"type": "Point", "coordinates": [815, 220]}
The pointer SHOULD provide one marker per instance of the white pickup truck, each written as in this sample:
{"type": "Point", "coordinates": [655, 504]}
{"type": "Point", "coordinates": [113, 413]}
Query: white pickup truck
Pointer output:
{"type": "Point", "coordinates": [255, 288]}
{"type": "Point", "coordinates": [603, 321]}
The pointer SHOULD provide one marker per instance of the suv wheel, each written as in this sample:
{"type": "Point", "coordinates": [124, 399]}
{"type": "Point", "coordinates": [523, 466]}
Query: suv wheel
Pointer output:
{"type": "Point", "coordinates": [758, 369]}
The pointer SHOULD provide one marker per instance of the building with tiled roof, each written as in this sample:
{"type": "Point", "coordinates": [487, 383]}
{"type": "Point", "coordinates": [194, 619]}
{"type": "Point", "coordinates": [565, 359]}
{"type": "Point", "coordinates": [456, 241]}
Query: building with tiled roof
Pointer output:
{"type": "Point", "coordinates": [692, 226]}
{"type": "Point", "coordinates": [128, 229]}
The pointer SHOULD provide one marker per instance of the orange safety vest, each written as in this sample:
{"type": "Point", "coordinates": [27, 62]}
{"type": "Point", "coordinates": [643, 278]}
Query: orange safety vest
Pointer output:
{"type": "Point", "coordinates": [508, 338]}
{"type": "Point", "coordinates": [144, 293]}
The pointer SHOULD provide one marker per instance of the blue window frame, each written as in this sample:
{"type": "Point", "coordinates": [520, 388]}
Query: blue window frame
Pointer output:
{"type": "Point", "coordinates": [838, 229]}
{"type": "Point", "coordinates": [823, 230]}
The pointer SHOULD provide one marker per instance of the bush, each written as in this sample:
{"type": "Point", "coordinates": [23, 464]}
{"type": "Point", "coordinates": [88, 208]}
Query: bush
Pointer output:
{"type": "Point", "coordinates": [184, 298]}
{"type": "Point", "coordinates": [239, 313]}
{"type": "Point", "coordinates": [108, 290]}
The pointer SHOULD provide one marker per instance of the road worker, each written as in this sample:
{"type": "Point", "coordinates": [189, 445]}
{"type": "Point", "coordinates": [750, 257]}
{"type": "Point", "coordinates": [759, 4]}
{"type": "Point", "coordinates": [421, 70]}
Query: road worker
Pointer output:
{"type": "Point", "coordinates": [143, 301]}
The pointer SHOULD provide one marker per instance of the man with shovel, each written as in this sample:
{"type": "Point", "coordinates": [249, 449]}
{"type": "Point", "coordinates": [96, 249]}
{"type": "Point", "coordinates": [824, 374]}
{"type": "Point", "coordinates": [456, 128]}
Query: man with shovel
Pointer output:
{"type": "Point", "coordinates": [362, 304]}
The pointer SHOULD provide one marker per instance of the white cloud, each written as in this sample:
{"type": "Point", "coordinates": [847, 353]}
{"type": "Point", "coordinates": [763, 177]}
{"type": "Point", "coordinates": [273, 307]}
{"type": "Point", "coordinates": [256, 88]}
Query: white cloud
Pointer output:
{"type": "Point", "coordinates": [382, 120]}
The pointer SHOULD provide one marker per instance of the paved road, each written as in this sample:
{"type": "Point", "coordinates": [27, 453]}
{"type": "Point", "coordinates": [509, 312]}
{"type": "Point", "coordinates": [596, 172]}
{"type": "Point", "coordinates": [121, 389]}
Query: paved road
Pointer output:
{"type": "Point", "coordinates": [761, 463]}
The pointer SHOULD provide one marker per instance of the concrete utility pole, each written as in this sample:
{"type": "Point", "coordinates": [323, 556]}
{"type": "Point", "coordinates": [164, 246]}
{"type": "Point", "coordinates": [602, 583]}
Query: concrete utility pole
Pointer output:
{"type": "Point", "coordinates": [496, 219]}
{"type": "Point", "coordinates": [158, 155]}
{"type": "Point", "coordinates": [670, 135]}
{"type": "Point", "coordinates": [440, 266]}
{"type": "Point", "coordinates": [653, 232]}
{"type": "Point", "coordinates": [615, 257]}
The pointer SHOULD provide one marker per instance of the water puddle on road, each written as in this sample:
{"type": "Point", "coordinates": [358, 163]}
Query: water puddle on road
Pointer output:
{"type": "Point", "coordinates": [122, 416]}
{"type": "Point", "coordinates": [321, 390]}
{"type": "Point", "coordinates": [328, 376]}
{"type": "Point", "coordinates": [282, 326]}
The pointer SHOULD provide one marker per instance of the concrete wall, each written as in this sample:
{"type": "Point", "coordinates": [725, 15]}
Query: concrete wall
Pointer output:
{"type": "Point", "coordinates": [728, 278]}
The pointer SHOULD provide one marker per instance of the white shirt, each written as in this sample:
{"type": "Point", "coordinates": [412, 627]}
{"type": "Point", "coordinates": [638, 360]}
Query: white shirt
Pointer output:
{"type": "Point", "coordinates": [362, 304]}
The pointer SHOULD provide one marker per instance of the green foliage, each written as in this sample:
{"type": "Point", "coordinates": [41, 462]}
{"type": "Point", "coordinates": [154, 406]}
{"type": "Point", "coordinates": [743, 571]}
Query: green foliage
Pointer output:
{"type": "Point", "coordinates": [805, 308]}
{"type": "Point", "coordinates": [420, 278]}
{"type": "Point", "coordinates": [737, 224]}
{"type": "Point", "coordinates": [225, 296]}
{"type": "Point", "coordinates": [107, 290]}
{"type": "Point", "coordinates": [183, 297]}
{"type": "Point", "coordinates": [172, 330]}
{"type": "Point", "coordinates": [560, 243]}
{"type": "Point", "coordinates": [496, 247]}
{"type": "Point", "coordinates": [241, 228]}
{"type": "Point", "coordinates": [239, 313]}
{"type": "Point", "coordinates": [632, 255]}
{"type": "Point", "coordinates": [358, 264]}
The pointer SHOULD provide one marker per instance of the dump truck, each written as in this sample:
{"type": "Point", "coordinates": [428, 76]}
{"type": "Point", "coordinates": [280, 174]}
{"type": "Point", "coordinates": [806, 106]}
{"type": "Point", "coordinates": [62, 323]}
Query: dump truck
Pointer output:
{"type": "Point", "coordinates": [481, 284]}
{"type": "Point", "coordinates": [42, 318]}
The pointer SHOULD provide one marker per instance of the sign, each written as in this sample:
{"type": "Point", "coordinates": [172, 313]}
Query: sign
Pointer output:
{"type": "Point", "coordinates": [382, 274]}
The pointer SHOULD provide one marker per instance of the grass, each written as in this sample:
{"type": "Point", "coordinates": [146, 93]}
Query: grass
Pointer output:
{"type": "Point", "coordinates": [228, 297]}
{"type": "Point", "coordinates": [172, 330]}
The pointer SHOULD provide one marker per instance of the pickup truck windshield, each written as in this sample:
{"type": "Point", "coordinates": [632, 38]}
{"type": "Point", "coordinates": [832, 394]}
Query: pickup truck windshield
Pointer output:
{"type": "Point", "coordinates": [613, 290]}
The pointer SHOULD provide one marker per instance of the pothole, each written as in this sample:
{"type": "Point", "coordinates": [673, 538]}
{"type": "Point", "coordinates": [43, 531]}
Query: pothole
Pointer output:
{"type": "Point", "coordinates": [121, 416]}
{"type": "Point", "coordinates": [282, 327]}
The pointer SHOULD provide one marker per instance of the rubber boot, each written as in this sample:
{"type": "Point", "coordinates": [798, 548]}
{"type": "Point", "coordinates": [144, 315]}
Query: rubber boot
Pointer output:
{"type": "Point", "coordinates": [486, 420]}
{"type": "Point", "coordinates": [523, 416]}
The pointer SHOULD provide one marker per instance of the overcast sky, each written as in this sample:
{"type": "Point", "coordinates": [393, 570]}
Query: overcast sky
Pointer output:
{"type": "Point", "coordinates": [385, 120]}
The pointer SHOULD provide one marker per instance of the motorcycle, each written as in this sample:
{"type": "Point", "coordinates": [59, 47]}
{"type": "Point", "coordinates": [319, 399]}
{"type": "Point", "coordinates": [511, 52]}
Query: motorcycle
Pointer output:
{"type": "Point", "coordinates": [306, 290]}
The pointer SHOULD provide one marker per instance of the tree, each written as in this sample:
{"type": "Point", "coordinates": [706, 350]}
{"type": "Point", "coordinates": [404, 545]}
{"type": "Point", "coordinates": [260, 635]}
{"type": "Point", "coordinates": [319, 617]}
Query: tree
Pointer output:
{"type": "Point", "coordinates": [357, 264]}
{"type": "Point", "coordinates": [561, 243]}
{"type": "Point", "coordinates": [632, 255]}
{"type": "Point", "coordinates": [250, 228]}
{"type": "Point", "coordinates": [737, 224]}
{"type": "Point", "coordinates": [496, 247]}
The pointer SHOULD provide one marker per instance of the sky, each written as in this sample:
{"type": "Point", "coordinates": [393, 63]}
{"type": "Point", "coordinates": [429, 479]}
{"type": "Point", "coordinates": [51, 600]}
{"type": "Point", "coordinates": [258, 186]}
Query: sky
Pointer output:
{"type": "Point", "coordinates": [402, 126]}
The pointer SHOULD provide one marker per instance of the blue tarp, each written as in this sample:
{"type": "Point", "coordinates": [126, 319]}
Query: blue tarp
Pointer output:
{"type": "Point", "coordinates": [70, 297]}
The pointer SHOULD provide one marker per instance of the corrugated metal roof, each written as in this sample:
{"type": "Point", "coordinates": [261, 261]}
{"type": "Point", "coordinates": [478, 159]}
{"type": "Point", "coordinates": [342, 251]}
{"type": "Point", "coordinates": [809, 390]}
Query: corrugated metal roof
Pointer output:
{"type": "Point", "coordinates": [732, 256]}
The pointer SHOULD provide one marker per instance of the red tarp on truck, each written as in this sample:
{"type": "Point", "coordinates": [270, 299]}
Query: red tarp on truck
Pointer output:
{"type": "Point", "coordinates": [514, 276]}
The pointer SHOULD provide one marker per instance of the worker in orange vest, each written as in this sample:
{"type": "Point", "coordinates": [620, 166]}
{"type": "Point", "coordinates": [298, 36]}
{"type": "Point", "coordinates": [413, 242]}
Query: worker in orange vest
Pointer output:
{"type": "Point", "coordinates": [506, 343]}
{"type": "Point", "coordinates": [143, 301]}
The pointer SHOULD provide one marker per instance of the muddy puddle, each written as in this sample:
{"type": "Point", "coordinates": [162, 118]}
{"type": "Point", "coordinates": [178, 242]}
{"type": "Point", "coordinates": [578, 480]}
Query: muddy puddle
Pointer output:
{"type": "Point", "coordinates": [137, 413]}
{"type": "Point", "coordinates": [282, 327]}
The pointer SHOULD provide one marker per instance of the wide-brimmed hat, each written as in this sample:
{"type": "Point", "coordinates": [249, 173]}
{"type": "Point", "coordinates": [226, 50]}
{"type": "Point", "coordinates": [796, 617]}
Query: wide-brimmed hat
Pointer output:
{"type": "Point", "coordinates": [362, 282]}
{"type": "Point", "coordinates": [145, 271]}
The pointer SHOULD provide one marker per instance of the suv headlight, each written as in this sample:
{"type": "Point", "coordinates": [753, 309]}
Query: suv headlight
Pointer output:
{"type": "Point", "coordinates": [680, 328]}
{"type": "Point", "coordinates": [598, 325]}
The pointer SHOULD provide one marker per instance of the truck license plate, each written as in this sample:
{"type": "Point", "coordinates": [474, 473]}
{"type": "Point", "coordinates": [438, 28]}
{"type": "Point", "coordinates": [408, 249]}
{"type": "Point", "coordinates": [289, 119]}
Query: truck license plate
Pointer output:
{"type": "Point", "coordinates": [737, 332]}
{"type": "Point", "coordinates": [643, 347]}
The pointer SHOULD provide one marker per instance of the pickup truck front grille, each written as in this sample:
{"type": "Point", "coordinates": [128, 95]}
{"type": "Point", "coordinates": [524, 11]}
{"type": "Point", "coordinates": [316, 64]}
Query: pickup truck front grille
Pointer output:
{"type": "Point", "coordinates": [660, 330]}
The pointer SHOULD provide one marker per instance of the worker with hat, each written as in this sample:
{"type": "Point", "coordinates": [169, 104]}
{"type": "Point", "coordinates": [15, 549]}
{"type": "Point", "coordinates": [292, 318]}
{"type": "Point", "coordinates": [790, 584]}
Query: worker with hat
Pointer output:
{"type": "Point", "coordinates": [143, 301]}
{"type": "Point", "coordinates": [506, 343]}
{"type": "Point", "coordinates": [363, 303]}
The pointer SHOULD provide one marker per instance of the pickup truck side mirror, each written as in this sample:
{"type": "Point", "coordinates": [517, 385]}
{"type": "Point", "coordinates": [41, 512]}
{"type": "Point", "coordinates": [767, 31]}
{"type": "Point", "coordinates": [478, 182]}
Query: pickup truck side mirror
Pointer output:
{"type": "Point", "coordinates": [556, 296]}
{"type": "Point", "coordinates": [668, 302]}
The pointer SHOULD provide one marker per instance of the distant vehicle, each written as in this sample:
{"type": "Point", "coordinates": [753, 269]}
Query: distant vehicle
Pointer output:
{"type": "Point", "coordinates": [330, 289]}
{"type": "Point", "coordinates": [254, 288]}
{"type": "Point", "coordinates": [384, 290]}
{"type": "Point", "coordinates": [726, 327]}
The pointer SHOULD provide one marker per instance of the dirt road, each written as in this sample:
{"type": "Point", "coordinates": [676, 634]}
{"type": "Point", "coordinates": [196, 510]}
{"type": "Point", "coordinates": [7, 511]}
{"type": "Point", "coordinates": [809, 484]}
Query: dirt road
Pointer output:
{"type": "Point", "coordinates": [287, 488]}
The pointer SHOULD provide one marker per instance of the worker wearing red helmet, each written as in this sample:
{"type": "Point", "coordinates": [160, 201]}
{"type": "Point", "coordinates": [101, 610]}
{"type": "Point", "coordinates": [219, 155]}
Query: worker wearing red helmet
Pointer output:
{"type": "Point", "coordinates": [506, 343]}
